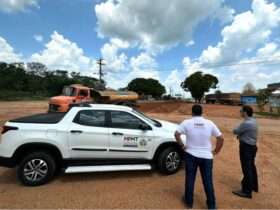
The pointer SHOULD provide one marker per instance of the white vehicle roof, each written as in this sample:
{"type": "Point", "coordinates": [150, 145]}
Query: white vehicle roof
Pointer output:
{"type": "Point", "coordinates": [111, 107]}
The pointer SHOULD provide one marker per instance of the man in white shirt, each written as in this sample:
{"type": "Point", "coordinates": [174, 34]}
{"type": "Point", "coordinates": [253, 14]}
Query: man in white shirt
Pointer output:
{"type": "Point", "coordinates": [199, 153]}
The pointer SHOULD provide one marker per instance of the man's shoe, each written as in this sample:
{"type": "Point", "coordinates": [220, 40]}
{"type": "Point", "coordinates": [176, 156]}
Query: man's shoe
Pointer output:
{"type": "Point", "coordinates": [242, 194]}
{"type": "Point", "coordinates": [256, 190]}
{"type": "Point", "coordinates": [188, 206]}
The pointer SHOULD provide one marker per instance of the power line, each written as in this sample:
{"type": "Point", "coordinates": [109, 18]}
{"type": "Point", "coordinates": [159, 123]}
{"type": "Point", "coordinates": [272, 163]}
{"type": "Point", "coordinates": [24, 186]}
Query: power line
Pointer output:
{"type": "Point", "coordinates": [220, 65]}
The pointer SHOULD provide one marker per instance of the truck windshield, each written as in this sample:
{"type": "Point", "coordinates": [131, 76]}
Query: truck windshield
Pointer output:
{"type": "Point", "coordinates": [150, 120]}
{"type": "Point", "coordinates": [69, 91]}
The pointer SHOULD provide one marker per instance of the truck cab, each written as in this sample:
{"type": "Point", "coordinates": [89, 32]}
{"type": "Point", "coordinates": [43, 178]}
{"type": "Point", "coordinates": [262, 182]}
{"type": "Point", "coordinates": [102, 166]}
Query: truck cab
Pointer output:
{"type": "Point", "coordinates": [72, 94]}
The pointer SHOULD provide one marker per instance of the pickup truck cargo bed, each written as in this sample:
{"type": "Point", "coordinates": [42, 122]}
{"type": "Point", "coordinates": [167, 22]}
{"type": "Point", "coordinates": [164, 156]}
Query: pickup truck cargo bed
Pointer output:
{"type": "Point", "coordinates": [44, 118]}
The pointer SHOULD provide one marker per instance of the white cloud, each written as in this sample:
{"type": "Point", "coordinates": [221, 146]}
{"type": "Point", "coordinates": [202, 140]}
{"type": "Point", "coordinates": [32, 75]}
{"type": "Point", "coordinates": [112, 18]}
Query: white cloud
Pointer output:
{"type": "Point", "coordinates": [268, 50]}
{"type": "Point", "coordinates": [119, 43]}
{"type": "Point", "coordinates": [142, 65]}
{"type": "Point", "coordinates": [17, 5]}
{"type": "Point", "coordinates": [186, 62]}
{"type": "Point", "coordinates": [61, 53]}
{"type": "Point", "coordinates": [143, 62]}
{"type": "Point", "coordinates": [190, 43]}
{"type": "Point", "coordinates": [259, 76]}
{"type": "Point", "coordinates": [38, 37]}
{"type": "Point", "coordinates": [145, 66]}
{"type": "Point", "coordinates": [264, 68]}
{"type": "Point", "coordinates": [225, 15]}
{"type": "Point", "coordinates": [115, 61]}
{"type": "Point", "coordinates": [173, 82]}
{"type": "Point", "coordinates": [247, 31]}
{"type": "Point", "coordinates": [7, 53]}
{"type": "Point", "coordinates": [250, 32]}
{"type": "Point", "coordinates": [155, 26]}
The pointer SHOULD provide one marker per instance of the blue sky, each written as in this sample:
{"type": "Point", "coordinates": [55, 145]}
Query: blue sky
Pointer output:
{"type": "Point", "coordinates": [157, 39]}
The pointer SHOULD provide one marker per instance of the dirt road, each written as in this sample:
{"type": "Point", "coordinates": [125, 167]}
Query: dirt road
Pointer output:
{"type": "Point", "coordinates": [150, 189]}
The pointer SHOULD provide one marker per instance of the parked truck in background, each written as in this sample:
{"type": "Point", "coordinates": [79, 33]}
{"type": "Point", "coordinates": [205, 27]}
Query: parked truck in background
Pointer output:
{"type": "Point", "coordinates": [224, 98]}
{"type": "Point", "coordinates": [78, 94]}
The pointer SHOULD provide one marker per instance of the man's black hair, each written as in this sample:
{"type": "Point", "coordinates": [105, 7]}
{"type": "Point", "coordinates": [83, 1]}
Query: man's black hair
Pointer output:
{"type": "Point", "coordinates": [196, 110]}
{"type": "Point", "coordinates": [248, 110]}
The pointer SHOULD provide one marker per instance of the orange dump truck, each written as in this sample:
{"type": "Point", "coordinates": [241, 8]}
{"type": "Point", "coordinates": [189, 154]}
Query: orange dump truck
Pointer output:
{"type": "Point", "coordinates": [78, 94]}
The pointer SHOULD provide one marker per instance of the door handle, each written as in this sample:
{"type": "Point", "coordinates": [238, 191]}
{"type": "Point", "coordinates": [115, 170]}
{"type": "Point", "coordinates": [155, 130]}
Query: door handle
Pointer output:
{"type": "Point", "coordinates": [76, 131]}
{"type": "Point", "coordinates": [117, 134]}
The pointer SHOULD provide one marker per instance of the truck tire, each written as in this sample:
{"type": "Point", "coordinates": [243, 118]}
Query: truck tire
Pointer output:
{"type": "Point", "coordinates": [36, 169]}
{"type": "Point", "coordinates": [169, 161]}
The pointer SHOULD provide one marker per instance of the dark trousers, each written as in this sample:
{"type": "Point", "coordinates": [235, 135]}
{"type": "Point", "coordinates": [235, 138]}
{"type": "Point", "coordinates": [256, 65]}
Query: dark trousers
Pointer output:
{"type": "Point", "coordinates": [205, 167]}
{"type": "Point", "coordinates": [247, 158]}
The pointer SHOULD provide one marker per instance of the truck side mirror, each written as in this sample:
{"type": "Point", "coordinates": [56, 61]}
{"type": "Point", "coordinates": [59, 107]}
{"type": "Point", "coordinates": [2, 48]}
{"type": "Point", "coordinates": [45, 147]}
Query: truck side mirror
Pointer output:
{"type": "Point", "coordinates": [144, 127]}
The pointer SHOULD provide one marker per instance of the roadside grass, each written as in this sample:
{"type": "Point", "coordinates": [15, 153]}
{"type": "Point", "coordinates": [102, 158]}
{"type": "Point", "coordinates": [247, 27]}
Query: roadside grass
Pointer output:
{"type": "Point", "coordinates": [268, 114]}
{"type": "Point", "coordinates": [27, 98]}
{"type": "Point", "coordinates": [21, 96]}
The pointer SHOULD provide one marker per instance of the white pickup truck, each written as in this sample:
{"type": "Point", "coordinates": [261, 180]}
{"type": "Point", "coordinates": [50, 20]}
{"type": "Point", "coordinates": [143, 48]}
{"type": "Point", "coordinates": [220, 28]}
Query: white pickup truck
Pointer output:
{"type": "Point", "coordinates": [94, 138]}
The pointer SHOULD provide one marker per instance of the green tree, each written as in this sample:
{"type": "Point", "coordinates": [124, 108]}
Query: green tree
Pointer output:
{"type": "Point", "coordinates": [147, 87]}
{"type": "Point", "coordinates": [262, 98]}
{"type": "Point", "coordinates": [249, 88]}
{"type": "Point", "coordinates": [198, 83]}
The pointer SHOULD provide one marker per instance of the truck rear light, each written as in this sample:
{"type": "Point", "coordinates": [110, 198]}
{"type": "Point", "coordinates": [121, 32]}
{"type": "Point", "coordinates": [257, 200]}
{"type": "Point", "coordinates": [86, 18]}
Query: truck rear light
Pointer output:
{"type": "Point", "coordinates": [5, 129]}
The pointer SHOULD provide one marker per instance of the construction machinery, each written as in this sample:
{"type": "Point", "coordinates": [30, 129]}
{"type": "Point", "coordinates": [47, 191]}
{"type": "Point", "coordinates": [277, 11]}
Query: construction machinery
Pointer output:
{"type": "Point", "coordinates": [77, 94]}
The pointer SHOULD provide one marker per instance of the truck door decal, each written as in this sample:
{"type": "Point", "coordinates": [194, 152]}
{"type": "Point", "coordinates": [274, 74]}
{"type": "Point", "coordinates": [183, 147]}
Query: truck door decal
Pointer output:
{"type": "Point", "coordinates": [134, 141]}
{"type": "Point", "coordinates": [129, 141]}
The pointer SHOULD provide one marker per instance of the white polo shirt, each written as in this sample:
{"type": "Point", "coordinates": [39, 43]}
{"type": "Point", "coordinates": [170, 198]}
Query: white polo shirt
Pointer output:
{"type": "Point", "coordinates": [198, 132]}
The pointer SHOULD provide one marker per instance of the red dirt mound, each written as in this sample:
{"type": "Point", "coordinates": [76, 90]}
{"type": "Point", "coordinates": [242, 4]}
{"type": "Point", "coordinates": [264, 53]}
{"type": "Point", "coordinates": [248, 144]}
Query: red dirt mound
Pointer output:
{"type": "Point", "coordinates": [185, 109]}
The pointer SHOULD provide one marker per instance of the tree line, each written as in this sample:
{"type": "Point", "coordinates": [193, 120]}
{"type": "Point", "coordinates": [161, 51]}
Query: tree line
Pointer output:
{"type": "Point", "coordinates": [35, 80]}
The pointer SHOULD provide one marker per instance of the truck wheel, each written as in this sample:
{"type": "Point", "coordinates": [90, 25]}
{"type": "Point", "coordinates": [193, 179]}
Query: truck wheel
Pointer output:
{"type": "Point", "coordinates": [36, 169]}
{"type": "Point", "coordinates": [169, 161]}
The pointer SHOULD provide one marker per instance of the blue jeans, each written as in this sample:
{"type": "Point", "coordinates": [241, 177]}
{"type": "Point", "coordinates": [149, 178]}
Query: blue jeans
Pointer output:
{"type": "Point", "coordinates": [205, 167]}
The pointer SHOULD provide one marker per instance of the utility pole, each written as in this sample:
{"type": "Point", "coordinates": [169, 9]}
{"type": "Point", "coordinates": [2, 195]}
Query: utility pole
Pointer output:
{"type": "Point", "coordinates": [100, 64]}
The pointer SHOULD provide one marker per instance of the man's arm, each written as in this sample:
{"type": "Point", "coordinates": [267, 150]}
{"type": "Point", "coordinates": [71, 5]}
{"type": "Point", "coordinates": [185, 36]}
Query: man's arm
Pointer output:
{"type": "Point", "coordinates": [179, 140]}
{"type": "Point", "coordinates": [220, 139]}
{"type": "Point", "coordinates": [240, 129]}
{"type": "Point", "coordinates": [219, 144]}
